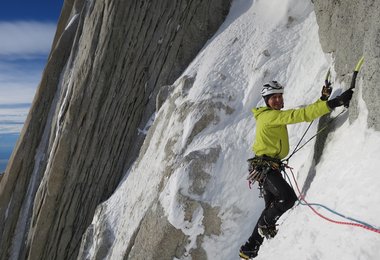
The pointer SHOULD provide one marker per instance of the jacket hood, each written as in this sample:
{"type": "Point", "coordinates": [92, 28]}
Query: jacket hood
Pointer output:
{"type": "Point", "coordinates": [258, 110]}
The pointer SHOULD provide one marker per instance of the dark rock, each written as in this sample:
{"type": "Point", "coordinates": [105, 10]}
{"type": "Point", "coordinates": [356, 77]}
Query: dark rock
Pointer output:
{"type": "Point", "coordinates": [98, 88]}
{"type": "Point", "coordinates": [350, 30]}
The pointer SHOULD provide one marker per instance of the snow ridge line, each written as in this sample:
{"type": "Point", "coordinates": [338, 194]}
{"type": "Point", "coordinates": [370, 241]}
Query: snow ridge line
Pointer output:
{"type": "Point", "coordinates": [303, 202]}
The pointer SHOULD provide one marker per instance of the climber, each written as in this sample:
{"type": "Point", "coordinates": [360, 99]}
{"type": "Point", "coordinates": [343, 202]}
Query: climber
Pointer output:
{"type": "Point", "coordinates": [271, 145]}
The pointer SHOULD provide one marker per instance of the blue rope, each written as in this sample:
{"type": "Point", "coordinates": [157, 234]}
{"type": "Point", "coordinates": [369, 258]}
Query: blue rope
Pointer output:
{"type": "Point", "coordinates": [337, 213]}
{"type": "Point", "coordinates": [327, 208]}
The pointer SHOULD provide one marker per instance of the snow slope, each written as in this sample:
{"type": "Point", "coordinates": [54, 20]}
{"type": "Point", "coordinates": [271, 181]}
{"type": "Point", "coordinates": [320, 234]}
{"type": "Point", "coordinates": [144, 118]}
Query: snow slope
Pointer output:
{"type": "Point", "coordinates": [259, 41]}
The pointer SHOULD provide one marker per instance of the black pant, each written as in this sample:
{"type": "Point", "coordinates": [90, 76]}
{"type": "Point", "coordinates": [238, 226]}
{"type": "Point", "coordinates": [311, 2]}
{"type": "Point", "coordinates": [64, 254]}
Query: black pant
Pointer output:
{"type": "Point", "coordinates": [279, 197]}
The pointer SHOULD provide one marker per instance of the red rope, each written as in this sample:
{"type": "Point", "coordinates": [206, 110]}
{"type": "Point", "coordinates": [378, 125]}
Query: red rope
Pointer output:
{"type": "Point", "coordinates": [301, 197]}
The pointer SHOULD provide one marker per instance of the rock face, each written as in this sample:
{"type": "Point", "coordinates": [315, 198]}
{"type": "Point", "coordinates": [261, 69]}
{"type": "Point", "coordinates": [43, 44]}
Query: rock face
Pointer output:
{"type": "Point", "coordinates": [108, 62]}
{"type": "Point", "coordinates": [350, 30]}
{"type": "Point", "coordinates": [113, 63]}
{"type": "Point", "coordinates": [173, 177]}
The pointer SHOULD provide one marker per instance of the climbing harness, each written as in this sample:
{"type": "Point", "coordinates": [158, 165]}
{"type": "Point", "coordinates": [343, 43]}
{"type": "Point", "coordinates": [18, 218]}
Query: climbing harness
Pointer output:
{"type": "Point", "coordinates": [258, 168]}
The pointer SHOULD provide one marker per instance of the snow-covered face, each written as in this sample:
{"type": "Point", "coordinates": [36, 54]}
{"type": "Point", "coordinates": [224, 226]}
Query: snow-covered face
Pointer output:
{"type": "Point", "coordinates": [276, 101]}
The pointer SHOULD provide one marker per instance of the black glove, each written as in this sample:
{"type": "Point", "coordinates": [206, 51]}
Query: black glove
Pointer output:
{"type": "Point", "coordinates": [326, 91]}
{"type": "Point", "coordinates": [343, 99]}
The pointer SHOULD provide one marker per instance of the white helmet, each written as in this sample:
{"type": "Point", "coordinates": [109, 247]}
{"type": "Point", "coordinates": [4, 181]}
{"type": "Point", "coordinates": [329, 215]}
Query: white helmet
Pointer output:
{"type": "Point", "coordinates": [272, 87]}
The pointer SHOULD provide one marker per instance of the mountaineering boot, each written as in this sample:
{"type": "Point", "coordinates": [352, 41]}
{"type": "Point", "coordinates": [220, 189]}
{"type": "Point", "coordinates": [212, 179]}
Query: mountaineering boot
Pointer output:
{"type": "Point", "coordinates": [267, 231]}
{"type": "Point", "coordinates": [248, 252]}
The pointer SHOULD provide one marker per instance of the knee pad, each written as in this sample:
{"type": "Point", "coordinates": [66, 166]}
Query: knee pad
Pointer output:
{"type": "Point", "coordinates": [285, 204]}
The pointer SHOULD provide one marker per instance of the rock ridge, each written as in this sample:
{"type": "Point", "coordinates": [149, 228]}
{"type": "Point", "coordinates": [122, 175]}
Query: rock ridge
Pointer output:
{"type": "Point", "coordinates": [107, 64]}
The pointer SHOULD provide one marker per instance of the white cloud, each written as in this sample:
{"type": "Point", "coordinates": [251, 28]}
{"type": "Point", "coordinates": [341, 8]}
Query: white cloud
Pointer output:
{"type": "Point", "coordinates": [12, 117]}
{"type": "Point", "coordinates": [26, 38]}
{"type": "Point", "coordinates": [24, 47]}
{"type": "Point", "coordinates": [19, 80]}
{"type": "Point", "coordinates": [18, 92]}
{"type": "Point", "coordinates": [15, 96]}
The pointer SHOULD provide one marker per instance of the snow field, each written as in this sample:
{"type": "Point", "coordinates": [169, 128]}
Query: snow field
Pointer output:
{"type": "Point", "coordinates": [259, 41]}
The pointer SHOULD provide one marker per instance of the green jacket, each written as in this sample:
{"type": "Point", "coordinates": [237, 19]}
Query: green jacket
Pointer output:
{"type": "Point", "coordinates": [271, 131]}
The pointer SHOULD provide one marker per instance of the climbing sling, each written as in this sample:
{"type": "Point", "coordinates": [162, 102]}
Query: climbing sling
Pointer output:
{"type": "Point", "coordinates": [258, 168]}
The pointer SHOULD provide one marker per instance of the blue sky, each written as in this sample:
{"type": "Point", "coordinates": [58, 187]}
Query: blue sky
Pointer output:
{"type": "Point", "coordinates": [26, 31]}
{"type": "Point", "coordinates": [40, 10]}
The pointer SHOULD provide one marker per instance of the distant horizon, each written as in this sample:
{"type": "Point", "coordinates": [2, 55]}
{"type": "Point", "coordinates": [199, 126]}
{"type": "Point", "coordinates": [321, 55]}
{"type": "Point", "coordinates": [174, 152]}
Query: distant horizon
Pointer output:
{"type": "Point", "coordinates": [7, 142]}
{"type": "Point", "coordinates": [29, 28]}
{"type": "Point", "coordinates": [15, 105]}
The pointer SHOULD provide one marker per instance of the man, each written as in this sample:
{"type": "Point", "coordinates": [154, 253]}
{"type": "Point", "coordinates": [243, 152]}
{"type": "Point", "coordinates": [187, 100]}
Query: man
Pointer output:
{"type": "Point", "coordinates": [271, 145]}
